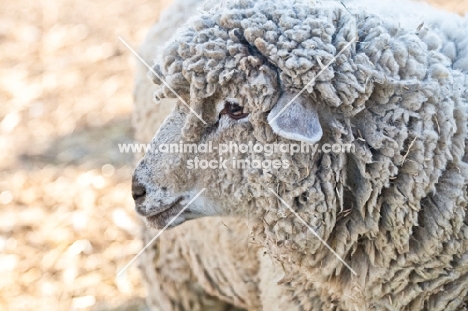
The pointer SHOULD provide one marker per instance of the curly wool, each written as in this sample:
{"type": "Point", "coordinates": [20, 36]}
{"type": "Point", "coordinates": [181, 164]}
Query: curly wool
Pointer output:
{"type": "Point", "coordinates": [399, 95]}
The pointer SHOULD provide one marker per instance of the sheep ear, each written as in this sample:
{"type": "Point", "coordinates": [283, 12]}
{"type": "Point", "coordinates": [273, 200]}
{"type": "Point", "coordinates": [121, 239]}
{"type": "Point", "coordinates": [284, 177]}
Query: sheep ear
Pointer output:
{"type": "Point", "coordinates": [296, 120]}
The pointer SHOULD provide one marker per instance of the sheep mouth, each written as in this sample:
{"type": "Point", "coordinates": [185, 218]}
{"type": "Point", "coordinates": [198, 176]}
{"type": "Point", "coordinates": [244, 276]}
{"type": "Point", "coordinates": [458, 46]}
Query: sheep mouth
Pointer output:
{"type": "Point", "coordinates": [166, 215]}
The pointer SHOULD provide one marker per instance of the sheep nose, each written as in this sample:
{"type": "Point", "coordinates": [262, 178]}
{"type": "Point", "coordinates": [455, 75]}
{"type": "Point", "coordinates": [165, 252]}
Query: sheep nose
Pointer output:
{"type": "Point", "coordinates": [138, 191]}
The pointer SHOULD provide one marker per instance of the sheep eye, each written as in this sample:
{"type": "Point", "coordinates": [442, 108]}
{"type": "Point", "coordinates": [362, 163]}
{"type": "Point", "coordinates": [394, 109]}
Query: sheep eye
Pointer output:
{"type": "Point", "coordinates": [233, 110]}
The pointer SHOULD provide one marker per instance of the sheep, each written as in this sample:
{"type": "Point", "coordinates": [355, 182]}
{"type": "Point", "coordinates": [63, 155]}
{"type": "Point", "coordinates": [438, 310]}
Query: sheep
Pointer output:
{"type": "Point", "coordinates": [395, 210]}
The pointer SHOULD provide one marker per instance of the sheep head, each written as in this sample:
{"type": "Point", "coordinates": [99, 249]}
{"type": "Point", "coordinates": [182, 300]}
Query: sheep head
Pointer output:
{"type": "Point", "coordinates": [239, 80]}
{"type": "Point", "coordinates": [255, 109]}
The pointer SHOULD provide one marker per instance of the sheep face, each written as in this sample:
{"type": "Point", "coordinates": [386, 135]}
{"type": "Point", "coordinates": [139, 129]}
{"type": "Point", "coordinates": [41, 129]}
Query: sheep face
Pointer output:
{"type": "Point", "coordinates": [188, 156]}
{"type": "Point", "coordinates": [164, 182]}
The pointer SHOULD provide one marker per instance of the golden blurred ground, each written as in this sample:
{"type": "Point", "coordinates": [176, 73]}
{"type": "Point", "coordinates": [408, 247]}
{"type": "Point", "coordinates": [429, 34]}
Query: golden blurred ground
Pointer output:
{"type": "Point", "coordinates": [66, 215]}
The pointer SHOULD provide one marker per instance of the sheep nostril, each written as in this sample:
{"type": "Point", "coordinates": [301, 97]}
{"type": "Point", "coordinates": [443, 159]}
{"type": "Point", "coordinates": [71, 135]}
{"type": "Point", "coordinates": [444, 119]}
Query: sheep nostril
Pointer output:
{"type": "Point", "coordinates": [138, 191]}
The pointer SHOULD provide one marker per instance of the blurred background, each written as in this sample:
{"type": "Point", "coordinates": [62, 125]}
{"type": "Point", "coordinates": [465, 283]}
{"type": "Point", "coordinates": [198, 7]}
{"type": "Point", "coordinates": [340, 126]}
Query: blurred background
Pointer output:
{"type": "Point", "coordinates": [66, 214]}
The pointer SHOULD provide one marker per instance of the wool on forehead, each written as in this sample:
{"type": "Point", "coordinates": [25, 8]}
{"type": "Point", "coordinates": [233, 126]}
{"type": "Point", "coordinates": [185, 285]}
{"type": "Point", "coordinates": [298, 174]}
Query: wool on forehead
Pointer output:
{"type": "Point", "coordinates": [268, 43]}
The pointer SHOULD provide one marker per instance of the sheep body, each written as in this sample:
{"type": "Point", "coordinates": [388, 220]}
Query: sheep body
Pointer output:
{"type": "Point", "coordinates": [399, 95]}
